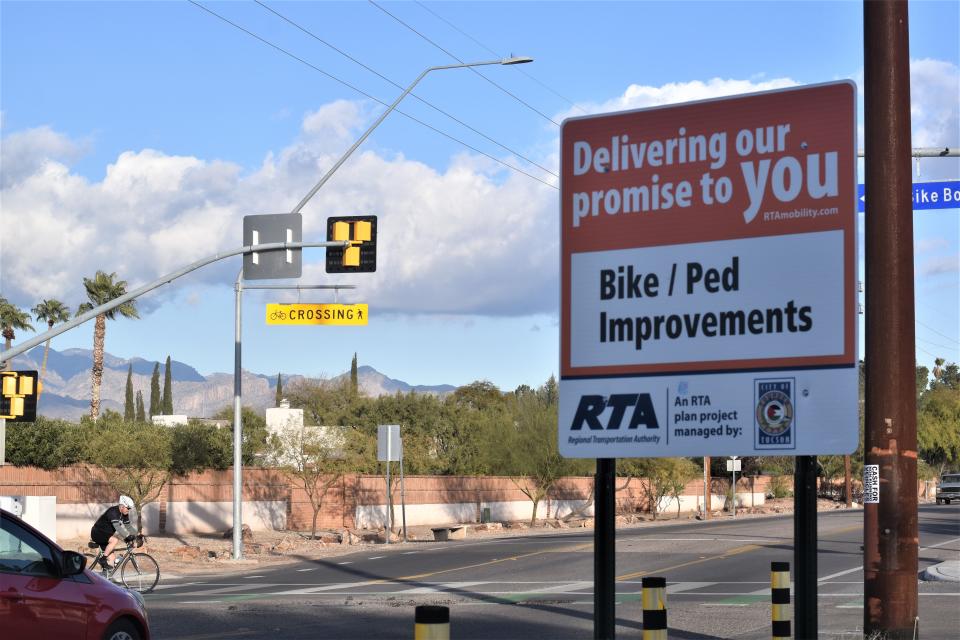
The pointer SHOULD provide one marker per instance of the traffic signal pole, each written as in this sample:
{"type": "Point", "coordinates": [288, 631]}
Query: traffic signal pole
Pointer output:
{"type": "Point", "coordinates": [890, 513]}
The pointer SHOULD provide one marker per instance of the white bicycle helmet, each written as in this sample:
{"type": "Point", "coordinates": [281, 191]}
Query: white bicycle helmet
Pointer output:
{"type": "Point", "coordinates": [126, 501]}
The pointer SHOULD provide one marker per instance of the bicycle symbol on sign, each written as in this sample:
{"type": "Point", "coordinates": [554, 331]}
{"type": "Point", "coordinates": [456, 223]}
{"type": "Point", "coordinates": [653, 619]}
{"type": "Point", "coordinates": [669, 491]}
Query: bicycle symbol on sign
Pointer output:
{"type": "Point", "coordinates": [278, 315]}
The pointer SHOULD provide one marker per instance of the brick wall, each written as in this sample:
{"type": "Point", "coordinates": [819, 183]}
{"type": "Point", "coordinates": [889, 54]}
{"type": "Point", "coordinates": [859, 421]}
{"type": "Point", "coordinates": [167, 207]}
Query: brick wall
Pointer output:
{"type": "Point", "coordinates": [80, 485]}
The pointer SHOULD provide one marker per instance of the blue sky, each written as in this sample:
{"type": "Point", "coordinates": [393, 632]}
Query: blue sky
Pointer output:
{"type": "Point", "coordinates": [136, 136]}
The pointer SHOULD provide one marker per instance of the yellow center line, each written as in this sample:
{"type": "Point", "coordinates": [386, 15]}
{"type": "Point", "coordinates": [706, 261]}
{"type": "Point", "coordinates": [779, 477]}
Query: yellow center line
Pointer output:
{"type": "Point", "coordinates": [420, 576]}
{"type": "Point", "coordinates": [732, 552]}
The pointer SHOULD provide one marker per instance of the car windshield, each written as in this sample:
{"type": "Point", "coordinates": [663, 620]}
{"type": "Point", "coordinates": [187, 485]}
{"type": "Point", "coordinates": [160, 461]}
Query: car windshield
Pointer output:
{"type": "Point", "coordinates": [954, 478]}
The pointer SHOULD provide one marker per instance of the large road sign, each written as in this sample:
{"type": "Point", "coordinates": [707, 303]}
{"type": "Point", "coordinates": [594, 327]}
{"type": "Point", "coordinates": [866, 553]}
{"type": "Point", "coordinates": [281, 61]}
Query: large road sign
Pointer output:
{"type": "Point", "coordinates": [708, 278]}
{"type": "Point", "coordinates": [267, 229]}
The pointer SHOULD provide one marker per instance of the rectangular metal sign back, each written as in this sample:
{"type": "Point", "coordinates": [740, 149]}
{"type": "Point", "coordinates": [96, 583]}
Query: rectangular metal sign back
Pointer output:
{"type": "Point", "coordinates": [315, 314]}
{"type": "Point", "coordinates": [708, 278]}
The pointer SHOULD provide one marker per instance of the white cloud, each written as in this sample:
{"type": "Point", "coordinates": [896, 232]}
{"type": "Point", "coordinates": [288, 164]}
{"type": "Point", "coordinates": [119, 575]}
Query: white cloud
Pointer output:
{"type": "Point", "coordinates": [470, 238]}
{"type": "Point", "coordinates": [941, 265]}
{"type": "Point", "coordinates": [640, 96]}
{"type": "Point", "coordinates": [25, 152]}
{"type": "Point", "coordinates": [935, 114]}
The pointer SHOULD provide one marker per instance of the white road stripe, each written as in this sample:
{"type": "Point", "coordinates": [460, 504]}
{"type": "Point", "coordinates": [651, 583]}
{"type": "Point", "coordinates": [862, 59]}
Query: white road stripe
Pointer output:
{"type": "Point", "coordinates": [444, 586]}
{"type": "Point", "coordinates": [860, 568]}
{"type": "Point", "coordinates": [376, 557]}
{"type": "Point", "coordinates": [200, 601]}
{"type": "Point", "coordinates": [326, 587]}
{"type": "Point", "coordinates": [237, 587]}
{"type": "Point", "coordinates": [679, 587]}
{"type": "Point", "coordinates": [310, 569]}
{"type": "Point", "coordinates": [565, 588]}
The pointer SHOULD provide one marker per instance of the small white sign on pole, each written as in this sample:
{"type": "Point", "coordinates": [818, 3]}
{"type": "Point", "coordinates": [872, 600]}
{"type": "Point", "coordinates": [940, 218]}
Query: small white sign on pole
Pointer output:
{"type": "Point", "coordinates": [871, 484]}
{"type": "Point", "coordinates": [389, 445]}
{"type": "Point", "coordinates": [733, 465]}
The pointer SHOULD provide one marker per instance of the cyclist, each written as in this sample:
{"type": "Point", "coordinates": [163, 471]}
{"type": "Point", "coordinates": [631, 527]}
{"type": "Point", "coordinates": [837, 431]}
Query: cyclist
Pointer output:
{"type": "Point", "coordinates": [112, 527]}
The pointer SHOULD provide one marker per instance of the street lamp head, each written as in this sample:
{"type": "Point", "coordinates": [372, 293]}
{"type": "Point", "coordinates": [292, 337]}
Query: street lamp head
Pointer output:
{"type": "Point", "coordinates": [516, 60]}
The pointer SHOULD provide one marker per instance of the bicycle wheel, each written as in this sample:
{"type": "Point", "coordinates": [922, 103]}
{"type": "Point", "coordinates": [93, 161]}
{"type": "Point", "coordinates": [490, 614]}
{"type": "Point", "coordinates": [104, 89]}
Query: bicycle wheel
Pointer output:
{"type": "Point", "coordinates": [140, 573]}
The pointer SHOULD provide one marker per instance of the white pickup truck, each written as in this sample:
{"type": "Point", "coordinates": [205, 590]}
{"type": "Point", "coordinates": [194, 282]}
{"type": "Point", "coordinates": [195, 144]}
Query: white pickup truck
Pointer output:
{"type": "Point", "coordinates": [949, 488]}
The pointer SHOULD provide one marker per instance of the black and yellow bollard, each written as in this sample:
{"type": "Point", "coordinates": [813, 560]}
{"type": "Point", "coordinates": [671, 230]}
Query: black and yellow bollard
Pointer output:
{"type": "Point", "coordinates": [431, 623]}
{"type": "Point", "coordinates": [654, 608]}
{"type": "Point", "coordinates": [780, 599]}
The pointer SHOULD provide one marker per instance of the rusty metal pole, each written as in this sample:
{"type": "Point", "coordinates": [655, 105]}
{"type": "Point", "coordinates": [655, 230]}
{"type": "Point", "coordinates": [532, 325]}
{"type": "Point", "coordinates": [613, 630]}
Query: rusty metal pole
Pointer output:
{"type": "Point", "coordinates": [707, 481]}
{"type": "Point", "coordinates": [890, 524]}
{"type": "Point", "coordinates": [846, 482]}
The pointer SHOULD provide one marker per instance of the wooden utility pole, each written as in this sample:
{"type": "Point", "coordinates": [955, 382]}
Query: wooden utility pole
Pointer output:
{"type": "Point", "coordinates": [890, 533]}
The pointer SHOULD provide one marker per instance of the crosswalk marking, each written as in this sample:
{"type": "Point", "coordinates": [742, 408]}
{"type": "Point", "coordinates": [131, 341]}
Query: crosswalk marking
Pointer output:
{"type": "Point", "coordinates": [565, 587]}
{"type": "Point", "coordinates": [326, 587]}
{"type": "Point", "coordinates": [679, 587]}
{"type": "Point", "coordinates": [219, 590]}
{"type": "Point", "coordinates": [445, 586]}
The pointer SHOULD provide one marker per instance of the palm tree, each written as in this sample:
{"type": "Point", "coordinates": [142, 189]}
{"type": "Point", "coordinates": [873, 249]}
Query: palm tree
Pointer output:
{"type": "Point", "coordinates": [12, 318]}
{"type": "Point", "coordinates": [53, 312]}
{"type": "Point", "coordinates": [101, 289]}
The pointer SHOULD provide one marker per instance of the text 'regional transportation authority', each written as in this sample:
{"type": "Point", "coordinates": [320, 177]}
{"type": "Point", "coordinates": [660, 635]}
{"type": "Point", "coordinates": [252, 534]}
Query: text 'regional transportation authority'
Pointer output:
{"type": "Point", "coordinates": [709, 278]}
{"type": "Point", "coordinates": [313, 314]}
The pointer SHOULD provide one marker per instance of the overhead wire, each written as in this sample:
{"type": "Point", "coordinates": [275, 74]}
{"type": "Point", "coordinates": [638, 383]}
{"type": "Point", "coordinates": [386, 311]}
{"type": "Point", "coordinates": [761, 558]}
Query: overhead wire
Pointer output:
{"type": "Point", "coordinates": [399, 86]}
{"type": "Point", "coordinates": [367, 95]}
{"type": "Point", "coordinates": [929, 328]}
{"type": "Point", "coordinates": [489, 50]}
{"type": "Point", "coordinates": [506, 91]}
{"type": "Point", "coordinates": [935, 344]}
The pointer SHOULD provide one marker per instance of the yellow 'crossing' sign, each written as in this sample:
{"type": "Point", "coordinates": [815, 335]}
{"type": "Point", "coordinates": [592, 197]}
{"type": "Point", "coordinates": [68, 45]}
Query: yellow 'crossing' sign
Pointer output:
{"type": "Point", "coordinates": [312, 314]}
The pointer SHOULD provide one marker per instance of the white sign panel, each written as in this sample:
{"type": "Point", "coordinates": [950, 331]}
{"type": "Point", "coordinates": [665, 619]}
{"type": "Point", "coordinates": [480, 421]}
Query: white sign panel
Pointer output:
{"type": "Point", "coordinates": [733, 465]}
{"type": "Point", "coordinates": [871, 484]}
{"type": "Point", "coordinates": [708, 278]}
{"type": "Point", "coordinates": [389, 445]}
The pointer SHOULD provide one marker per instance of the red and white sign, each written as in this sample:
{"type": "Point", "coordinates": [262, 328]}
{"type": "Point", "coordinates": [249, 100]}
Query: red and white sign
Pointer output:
{"type": "Point", "coordinates": [708, 278]}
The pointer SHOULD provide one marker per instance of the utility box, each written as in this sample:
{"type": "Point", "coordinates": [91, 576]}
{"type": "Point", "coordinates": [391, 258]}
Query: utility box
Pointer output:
{"type": "Point", "coordinates": [37, 511]}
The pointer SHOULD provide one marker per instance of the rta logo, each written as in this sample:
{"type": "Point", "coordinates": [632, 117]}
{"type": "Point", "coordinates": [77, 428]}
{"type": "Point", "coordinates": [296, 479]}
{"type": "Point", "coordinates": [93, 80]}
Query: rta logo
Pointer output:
{"type": "Point", "coordinates": [591, 409]}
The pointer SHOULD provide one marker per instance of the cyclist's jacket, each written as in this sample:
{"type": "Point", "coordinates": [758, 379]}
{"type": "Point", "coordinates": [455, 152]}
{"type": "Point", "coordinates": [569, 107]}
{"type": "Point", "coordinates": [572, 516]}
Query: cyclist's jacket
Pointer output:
{"type": "Point", "coordinates": [113, 521]}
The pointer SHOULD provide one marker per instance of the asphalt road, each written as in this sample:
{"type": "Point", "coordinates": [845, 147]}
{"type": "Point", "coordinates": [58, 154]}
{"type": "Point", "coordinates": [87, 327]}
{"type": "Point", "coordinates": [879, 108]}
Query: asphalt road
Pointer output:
{"type": "Point", "coordinates": [540, 586]}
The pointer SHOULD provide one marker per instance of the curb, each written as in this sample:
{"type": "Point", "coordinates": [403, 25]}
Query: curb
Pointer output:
{"type": "Point", "coordinates": [948, 571]}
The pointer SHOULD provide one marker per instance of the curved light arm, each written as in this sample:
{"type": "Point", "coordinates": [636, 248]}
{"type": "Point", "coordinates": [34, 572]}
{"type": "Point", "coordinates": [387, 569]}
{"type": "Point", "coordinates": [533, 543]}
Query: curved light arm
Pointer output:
{"type": "Point", "coordinates": [116, 302]}
{"type": "Point", "coordinates": [349, 152]}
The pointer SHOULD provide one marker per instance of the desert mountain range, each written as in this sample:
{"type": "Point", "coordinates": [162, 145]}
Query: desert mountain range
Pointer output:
{"type": "Point", "coordinates": [66, 385]}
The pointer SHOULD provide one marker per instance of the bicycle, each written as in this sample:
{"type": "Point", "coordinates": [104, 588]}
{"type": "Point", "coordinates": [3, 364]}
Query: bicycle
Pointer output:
{"type": "Point", "coordinates": [138, 571]}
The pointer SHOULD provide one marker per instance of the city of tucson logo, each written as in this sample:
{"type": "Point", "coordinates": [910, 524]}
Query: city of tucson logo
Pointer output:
{"type": "Point", "coordinates": [775, 424]}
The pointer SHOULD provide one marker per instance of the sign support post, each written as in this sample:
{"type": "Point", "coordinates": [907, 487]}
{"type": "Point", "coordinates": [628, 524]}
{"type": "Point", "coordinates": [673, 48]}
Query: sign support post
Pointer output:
{"type": "Point", "coordinates": [604, 537]}
{"type": "Point", "coordinates": [805, 545]}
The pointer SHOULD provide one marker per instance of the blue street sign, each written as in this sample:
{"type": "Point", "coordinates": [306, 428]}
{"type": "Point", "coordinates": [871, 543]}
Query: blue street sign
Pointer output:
{"type": "Point", "coordinates": [944, 194]}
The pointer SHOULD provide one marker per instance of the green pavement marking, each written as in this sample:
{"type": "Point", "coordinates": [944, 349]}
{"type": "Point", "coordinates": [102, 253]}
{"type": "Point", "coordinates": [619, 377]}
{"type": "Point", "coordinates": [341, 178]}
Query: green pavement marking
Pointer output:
{"type": "Point", "coordinates": [855, 604]}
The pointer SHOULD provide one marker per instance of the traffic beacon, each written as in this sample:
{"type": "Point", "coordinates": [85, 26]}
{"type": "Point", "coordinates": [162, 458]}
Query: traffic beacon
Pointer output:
{"type": "Point", "coordinates": [361, 255]}
{"type": "Point", "coordinates": [18, 395]}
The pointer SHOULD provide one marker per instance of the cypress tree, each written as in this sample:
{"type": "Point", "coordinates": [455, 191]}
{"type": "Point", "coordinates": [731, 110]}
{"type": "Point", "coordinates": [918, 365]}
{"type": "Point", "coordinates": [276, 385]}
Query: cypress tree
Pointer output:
{"type": "Point", "coordinates": [167, 390]}
{"type": "Point", "coordinates": [141, 414]}
{"type": "Point", "coordinates": [155, 406]}
{"type": "Point", "coordinates": [128, 410]}
{"type": "Point", "coordinates": [354, 378]}
{"type": "Point", "coordinates": [279, 392]}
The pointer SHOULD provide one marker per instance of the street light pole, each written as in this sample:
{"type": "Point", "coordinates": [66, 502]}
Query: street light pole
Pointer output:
{"type": "Point", "coordinates": [237, 394]}
{"type": "Point", "coordinates": [349, 152]}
